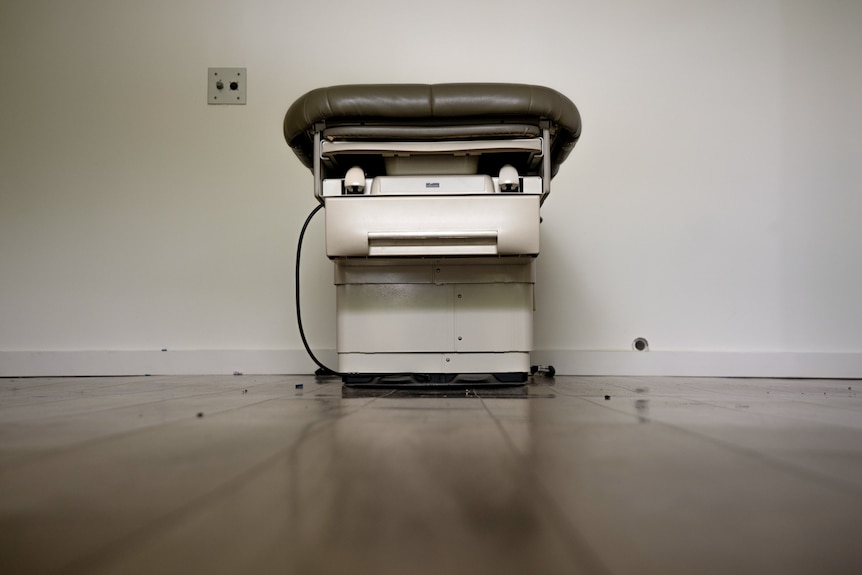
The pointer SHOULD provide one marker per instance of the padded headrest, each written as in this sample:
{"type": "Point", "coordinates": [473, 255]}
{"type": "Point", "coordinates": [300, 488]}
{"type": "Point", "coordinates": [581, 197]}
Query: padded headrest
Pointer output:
{"type": "Point", "coordinates": [422, 105]}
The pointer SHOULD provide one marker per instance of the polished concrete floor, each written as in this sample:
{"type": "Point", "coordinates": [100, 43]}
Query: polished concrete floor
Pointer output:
{"type": "Point", "coordinates": [569, 475]}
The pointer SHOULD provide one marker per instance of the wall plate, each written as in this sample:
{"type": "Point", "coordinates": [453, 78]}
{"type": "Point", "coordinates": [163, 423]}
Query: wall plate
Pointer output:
{"type": "Point", "coordinates": [226, 85]}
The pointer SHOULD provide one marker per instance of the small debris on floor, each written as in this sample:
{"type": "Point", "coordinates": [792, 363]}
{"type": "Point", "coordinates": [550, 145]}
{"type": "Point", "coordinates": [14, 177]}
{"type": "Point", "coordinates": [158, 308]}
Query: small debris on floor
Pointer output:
{"type": "Point", "coordinates": [237, 373]}
{"type": "Point", "coordinates": [607, 397]}
{"type": "Point", "coordinates": [200, 414]}
{"type": "Point", "coordinates": [245, 391]}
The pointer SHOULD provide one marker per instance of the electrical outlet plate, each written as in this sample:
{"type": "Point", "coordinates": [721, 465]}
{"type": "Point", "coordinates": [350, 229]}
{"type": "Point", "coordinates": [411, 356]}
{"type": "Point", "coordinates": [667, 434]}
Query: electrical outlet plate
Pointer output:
{"type": "Point", "coordinates": [226, 85]}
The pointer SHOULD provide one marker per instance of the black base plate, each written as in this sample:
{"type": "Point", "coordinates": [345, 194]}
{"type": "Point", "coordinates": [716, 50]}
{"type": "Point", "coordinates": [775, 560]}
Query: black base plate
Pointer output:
{"type": "Point", "coordinates": [435, 380]}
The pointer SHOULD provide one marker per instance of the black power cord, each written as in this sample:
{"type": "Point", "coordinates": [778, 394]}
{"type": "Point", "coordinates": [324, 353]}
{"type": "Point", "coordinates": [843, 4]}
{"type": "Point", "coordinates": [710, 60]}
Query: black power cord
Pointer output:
{"type": "Point", "coordinates": [324, 370]}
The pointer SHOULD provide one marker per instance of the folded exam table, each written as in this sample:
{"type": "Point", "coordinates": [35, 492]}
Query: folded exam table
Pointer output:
{"type": "Point", "coordinates": [432, 196]}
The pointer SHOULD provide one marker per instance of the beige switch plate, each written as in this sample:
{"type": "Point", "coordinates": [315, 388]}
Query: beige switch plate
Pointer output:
{"type": "Point", "coordinates": [226, 85]}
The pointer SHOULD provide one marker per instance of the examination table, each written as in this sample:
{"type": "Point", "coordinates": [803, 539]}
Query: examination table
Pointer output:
{"type": "Point", "coordinates": [432, 196]}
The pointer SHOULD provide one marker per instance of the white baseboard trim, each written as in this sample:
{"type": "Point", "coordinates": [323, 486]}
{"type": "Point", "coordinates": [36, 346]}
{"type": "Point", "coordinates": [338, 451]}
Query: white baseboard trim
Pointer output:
{"type": "Point", "coordinates": [181, 362]}
{"type": "Point", "coordinates": [704, 364]}
{"type": "Point", "coordinates": [565, 362]}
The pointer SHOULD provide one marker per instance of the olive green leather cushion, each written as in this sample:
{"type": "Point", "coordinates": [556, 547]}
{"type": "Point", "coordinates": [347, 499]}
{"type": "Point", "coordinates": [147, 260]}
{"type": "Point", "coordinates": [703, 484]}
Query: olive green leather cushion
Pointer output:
{"type": "Point", "coordinates": [424, 105]}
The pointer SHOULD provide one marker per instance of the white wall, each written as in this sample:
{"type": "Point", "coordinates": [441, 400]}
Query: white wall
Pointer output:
{"type": "Point", "coordinates": [711, 205]}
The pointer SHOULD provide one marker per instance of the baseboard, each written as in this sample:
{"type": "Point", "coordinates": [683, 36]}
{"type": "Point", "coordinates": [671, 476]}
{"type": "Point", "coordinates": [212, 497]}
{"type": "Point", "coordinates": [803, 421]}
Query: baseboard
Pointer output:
{"type": "Point", "coordinates": [181, 362]}
{"type": "Point", "coordinates": [565, 362]}
{"type": "Point", "coordinates": [704, 364]}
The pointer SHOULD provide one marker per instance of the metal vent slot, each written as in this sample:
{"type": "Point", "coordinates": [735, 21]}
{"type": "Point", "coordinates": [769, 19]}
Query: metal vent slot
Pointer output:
{"type": "Point", "coordinates": [432, 243]}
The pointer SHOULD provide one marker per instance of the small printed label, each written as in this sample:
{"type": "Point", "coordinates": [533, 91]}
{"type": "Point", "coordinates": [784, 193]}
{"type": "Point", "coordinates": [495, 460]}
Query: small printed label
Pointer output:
{"type": "Point", "coordinates": [432, 184]}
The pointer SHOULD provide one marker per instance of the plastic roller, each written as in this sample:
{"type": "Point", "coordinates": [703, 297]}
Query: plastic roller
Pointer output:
{"type": "Point", "coordinates": [354, 181]}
